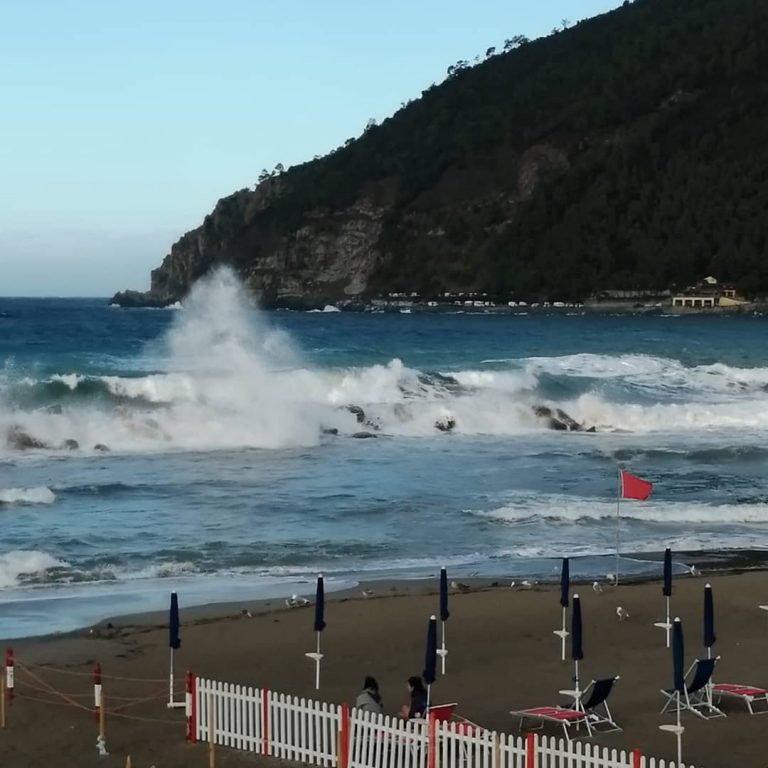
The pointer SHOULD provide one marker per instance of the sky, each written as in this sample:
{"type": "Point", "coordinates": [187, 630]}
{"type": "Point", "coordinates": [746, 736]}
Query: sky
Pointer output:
{"type": "Point", "coordinates": [123, 122]}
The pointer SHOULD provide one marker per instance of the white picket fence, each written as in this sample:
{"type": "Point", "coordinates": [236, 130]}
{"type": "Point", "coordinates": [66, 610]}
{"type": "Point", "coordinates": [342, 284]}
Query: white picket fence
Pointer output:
{"type": "Point", "coordinates": [332, 736]}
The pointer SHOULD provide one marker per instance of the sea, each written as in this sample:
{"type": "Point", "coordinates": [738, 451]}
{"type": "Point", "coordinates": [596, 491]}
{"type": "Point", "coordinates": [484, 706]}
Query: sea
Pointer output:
{"type": "Point", "coordinates": [209, 448]}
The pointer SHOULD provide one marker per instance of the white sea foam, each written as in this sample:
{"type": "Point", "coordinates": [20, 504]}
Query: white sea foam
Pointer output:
{"type": "Point", "coordinates": [17, 564]}
{"type": "Point", "coordinates": [568, 510]}
{"type": "Point", "coordinates": [40, 495]}
{"type": "Point", "coordinates": [224, 379]}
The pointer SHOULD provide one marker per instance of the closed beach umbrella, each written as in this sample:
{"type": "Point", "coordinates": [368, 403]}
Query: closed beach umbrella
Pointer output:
{"type": "Point", "coordinates": [577, 650]}
{"type": "Point", "coordinates": [565, 582]}
{"type": "Point", "coordinates": [565, 586]}
{"type": "Point", "coordinates": [678, 657]}
{"type": "Point", "coordinates": [174, 642]}
{"type": "Point", "coordinates": [319, 625]}
{"type": "Point", "coordinates": [430, 657]}
{"type": "Point", "coordinates": [667, 588]}
{"type": "Point", "coordinates": [444, 615]}
{"type": "Point", "coordinates": [709, 620]}
{"type": "Point", "coordinates": [320, 605]}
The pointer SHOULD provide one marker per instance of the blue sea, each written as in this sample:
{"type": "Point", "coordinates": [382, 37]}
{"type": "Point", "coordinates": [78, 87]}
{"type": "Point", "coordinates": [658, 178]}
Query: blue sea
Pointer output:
{"type": "Point", "coordinates": [218, 472]}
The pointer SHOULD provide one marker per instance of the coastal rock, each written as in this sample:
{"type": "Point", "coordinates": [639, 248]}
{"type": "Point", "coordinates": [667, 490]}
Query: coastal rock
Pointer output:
{"type": "Point", "coordinates": [559, 420]}
{"type": "Point", "coordinates": [363, 435]}
{"type": "Point", "coordinates": [70, 445]}
{"type": "Point", "coordinates": [19, 440]}
{"type": "Point", "coordinates": [101, 448]}
{"type": "Point", "coordinates": [445, 424]}
{"type": "Point", "coordinates": [54, 410]}
{"type": "Point", "coordinates": [330, 431]}
{"type": "Point", "coordinates": [358, 412]}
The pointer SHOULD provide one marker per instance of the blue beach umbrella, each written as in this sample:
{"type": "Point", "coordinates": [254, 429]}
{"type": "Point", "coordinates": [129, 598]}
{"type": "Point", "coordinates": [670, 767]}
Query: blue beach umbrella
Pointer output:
{"type": "Point", "coordinates": [709, 620]}
{"type": "Point", "coordinates": [678, 657]}
{"type": "Point", "coordinates": [319, 626]}
{"type": "Point", "coordinates": [444, 615]}
{"type": "Point", "coordinates": [174, 642]}
{"type": "Point", "coordinates": [577, 650]}
{"type": "Point", "coordinates": [430, 657]}
{"type": "Point", "coordinates": [565, 582]}
{"type": "Point", "coordinates": [320, 605]}
{"type": "Point", "coordinates": [565, 586]}
{"type": "Point", "coordinates": [666, 590]}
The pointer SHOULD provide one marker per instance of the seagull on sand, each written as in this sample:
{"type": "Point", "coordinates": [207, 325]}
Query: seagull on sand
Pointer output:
{"type": "Point", "coordinates": [596, 586]}
{"type": "Point", "coordinates": [621, 613]}
{"type": "Point", "coordinates": [610, 578]}
{"type": "Point", "coordinates": [294, 601]}
{"type": "Point", "coordinates": [461, 587]}
{"type": "Point", "coordinates": [367, 593]}
{"type": "Point", "coordinates": [693, 570]}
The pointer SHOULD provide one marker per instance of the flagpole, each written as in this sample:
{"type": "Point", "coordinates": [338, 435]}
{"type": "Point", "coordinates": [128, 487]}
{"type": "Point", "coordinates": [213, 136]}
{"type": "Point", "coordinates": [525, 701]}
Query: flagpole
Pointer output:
{"type": "Point", "coordinates": [618, 525]}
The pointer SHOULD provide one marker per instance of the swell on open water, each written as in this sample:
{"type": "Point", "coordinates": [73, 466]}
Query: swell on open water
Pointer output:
{"type": "Point", "coordinates": [227, 466]}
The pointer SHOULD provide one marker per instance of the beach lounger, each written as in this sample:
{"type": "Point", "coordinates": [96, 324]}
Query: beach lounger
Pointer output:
{"type": "Point", "coordinates": [755, 698]}
{"type": "Point", "coordinates": [562, 716]}
{"type": "Point", "coordinates": [594, 701]}
{"type": "Point", "coordinates": [697, 697]}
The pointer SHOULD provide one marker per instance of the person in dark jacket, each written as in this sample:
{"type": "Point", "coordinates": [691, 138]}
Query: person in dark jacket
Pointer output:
{"type": "Point", "coordinates": [417, 707]}
{"type": "Point", "coordinates": [369, 699]}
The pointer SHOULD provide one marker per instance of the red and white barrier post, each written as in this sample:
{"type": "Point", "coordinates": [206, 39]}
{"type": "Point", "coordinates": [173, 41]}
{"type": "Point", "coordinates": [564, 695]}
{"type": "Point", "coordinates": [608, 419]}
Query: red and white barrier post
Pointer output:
{"type": "Point", "coordinates": [530, 751]}
{"type": "Point", "coordinates": [9, 674]}
{"type": "Point", "coordinates": [97, 689]}
{"type": "Point", "coordinates": [191, 709]}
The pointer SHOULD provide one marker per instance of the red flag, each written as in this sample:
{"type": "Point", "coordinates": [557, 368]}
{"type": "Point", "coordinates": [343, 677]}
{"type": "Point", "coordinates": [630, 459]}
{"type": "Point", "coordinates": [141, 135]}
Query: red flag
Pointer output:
{"type": "Point", "coordinates": [633, 487]}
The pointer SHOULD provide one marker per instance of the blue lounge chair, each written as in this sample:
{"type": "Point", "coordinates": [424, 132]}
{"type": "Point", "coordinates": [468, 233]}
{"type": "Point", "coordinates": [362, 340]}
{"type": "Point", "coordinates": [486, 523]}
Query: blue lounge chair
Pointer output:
{"type": "Point", "coordinates": [697, 696]}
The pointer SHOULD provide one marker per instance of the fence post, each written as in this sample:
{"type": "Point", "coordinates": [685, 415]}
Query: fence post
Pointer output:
{"type": "Point", "coordinates": [431, 741]}
{"type": "Point", "coordinates": [9, 674]}
{"type": "Point", "coordinates": [265, 722]}
{"type": "Point", "coordinates": [343, 759]}
{"type": "Point", "coordinates": [211, 733]}
{"type": "Point", "coordinates": [530, 751]}
{"type": "Point", "coordinates": [496, 759]}
{"type": "Point", "coordinates": [191, 708]}
{"type": "Point", "coordinates": [635, 758]}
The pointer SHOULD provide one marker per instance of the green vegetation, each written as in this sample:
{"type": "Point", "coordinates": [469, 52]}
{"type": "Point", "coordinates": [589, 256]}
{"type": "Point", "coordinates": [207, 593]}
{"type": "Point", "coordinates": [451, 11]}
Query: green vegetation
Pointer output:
{"type": "Point", "coordinates": [626, 151]}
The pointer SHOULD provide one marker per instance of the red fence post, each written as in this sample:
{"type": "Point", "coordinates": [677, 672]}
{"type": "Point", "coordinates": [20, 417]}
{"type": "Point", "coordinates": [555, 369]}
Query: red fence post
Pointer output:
{"type": "Point", "coordinates": [191, 708]}
{"type": "Point", "coordinates": [344, 737]}
{"type": "Point", "coordinates": [635, 758]}
{"type": "Point", "coordinates": [97, 689]}
{"type": "Point", "coordinates": [265, 722]}
{"type": "Point", "coordinates": [431, 741]}
{"type": "Point", "coordinates": [530, 751]}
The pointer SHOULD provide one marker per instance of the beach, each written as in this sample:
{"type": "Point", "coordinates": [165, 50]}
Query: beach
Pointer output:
{"type": "Point", "coordinates": [502, 656]}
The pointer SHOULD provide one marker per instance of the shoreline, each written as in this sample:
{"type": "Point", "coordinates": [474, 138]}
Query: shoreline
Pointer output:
{"type": "Point", "coordinates": [707, 563]}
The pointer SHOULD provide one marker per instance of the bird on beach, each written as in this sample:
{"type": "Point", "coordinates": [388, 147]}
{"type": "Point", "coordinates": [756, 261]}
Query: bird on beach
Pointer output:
{"type": "Point", "coordinates": [294, 601]}
{"type": "Point", "coordinates": [367, 593]}
{"type": "Point", "coordinates": [596, 587]}
{"type": "Point", "coordinates": [246, 612]}
{"type": "Point", "coordinates": [693, 570]}
{"type": "Point", "coordinates": [460, 587]}
{"type": "Point", "coordinates": [528, 584]}
{"type": "Point", "coordinates": [621, 613]}
{"type": "Point", "coordinates": [610, 578]}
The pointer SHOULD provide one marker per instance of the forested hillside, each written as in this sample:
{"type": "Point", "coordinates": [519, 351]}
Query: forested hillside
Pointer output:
{"type": "Point", "coordinates": [627, 151]}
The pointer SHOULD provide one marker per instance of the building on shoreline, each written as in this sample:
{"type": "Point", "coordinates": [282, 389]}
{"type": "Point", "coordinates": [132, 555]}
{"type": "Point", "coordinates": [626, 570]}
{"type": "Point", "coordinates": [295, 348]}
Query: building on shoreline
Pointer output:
{"type": "Point", "coordinates": [708, 294]}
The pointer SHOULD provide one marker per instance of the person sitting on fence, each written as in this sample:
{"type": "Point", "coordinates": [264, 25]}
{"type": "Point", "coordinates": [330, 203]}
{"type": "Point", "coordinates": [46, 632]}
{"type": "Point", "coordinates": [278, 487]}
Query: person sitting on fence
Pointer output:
{"type": "Point", "coordinates": [418, 704]}
{"type": "Point", "coordinates": [369, 699]}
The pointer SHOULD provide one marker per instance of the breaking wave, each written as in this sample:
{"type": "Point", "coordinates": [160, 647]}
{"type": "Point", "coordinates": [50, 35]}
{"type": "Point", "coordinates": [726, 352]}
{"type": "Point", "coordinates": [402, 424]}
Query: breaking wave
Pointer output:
{"type": "Point", "coordinates": [223, 378]}
{"type": "Point", "coordinates": [40, 495]}
{"type": "Point", "coordinates": [26, 566]}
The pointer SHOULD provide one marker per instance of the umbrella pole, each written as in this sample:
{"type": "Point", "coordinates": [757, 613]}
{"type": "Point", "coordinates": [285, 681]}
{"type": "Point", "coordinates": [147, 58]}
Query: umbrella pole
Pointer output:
{"type": "Point", "coordinates": [442, 650]}
{"type": "Point", "coordinates": [317, 664]}
{"type": "Point", "coordinates": [669, 626]}
{"type": "Point", "coordinates": [578, 688]}
{"type": "Point", "coordinates": [429, 698]}
{"type": "Point", "coordinates": [170, 683]}
{"type": "Point", "coordinates": [562, 636]}
{"type": "Point", "coordinates": [679, 733]}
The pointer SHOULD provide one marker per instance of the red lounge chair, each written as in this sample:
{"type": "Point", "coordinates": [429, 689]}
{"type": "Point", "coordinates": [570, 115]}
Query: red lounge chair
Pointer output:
{"type": "Point", "coordinates": [756, 699]}
{"type": "Point", "coordinates": [560, 715]}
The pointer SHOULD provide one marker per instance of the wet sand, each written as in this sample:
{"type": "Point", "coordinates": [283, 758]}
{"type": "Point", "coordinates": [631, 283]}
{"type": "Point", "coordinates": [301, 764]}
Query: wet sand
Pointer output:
{"type": "Point", "coordinates": [502, 656]}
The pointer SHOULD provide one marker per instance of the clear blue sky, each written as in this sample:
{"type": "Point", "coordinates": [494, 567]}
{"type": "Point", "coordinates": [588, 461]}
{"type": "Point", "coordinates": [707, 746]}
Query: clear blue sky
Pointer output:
{"type": "Point", "coordinates": [124, 121]}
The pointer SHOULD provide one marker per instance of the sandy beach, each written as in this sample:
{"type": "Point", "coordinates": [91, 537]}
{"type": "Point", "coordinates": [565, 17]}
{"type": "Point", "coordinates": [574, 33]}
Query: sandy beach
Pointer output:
{"type": "Point", "coordinates": [502, 656]}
